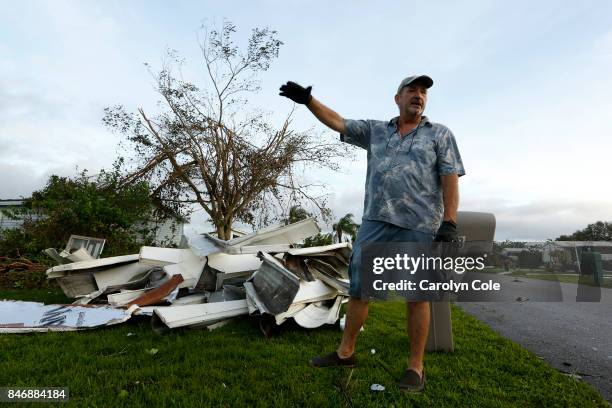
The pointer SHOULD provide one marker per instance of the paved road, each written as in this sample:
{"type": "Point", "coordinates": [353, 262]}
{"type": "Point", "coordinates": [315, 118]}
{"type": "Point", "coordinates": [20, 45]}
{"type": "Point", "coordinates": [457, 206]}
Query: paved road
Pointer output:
{"type": "Point", "coordinates": [567, 332]}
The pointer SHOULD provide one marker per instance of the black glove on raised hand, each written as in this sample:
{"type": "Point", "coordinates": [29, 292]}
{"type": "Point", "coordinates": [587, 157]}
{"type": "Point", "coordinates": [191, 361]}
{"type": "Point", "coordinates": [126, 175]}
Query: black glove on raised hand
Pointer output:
{"type": "Point", "coordinates": [296, 93]}
{"type": "Point", "coordinates": [447, 232]}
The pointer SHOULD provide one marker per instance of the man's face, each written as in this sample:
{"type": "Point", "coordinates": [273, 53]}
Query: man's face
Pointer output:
{"type": "Point", "coordinates": [412, 99]}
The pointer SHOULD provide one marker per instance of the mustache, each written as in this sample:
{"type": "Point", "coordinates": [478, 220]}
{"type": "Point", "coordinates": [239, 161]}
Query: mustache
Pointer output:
{"type": "Point", "coordinates": [417, 101]}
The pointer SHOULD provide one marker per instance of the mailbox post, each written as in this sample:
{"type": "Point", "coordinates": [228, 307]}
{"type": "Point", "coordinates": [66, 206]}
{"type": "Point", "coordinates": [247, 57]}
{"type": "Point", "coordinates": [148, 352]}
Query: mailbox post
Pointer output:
{"type": "Point", "coordinates": [471, 226]}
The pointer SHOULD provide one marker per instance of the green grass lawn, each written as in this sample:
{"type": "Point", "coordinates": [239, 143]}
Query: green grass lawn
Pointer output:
{"type": "Point", "coordinates": [236, 366]}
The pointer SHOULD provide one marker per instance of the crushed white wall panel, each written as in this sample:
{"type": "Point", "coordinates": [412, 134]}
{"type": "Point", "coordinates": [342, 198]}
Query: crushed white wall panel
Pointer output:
{"type": "Point", "coordinates": [191, 299]}
{"type": "Point", "coordinates": [53, 254]}
{"type": "Point", "coordinates": [228, 267]}
{"type": "Point", "coordinates": [206, 313]}
{"type": "Point", "coordinates": [118, 275]}
{"type": "Point", "coordinates": [146, 310]}
{"type": "Point", "coordinates": [124, 297]}
{"type": "Point", "coordinates": [27, 317]}
{"type": "Point", "coordinates": [276, 238]}
{"type": "Point", "coordinates": [254, 249]}
{"type": "Point", "coordinates": [228, 264]}
{"type": "Point", "coordinates": [343, 247]}
{"type": "Point", "coordinates": [202, 244]}
{"type": "Point", "coordinates": [164, 256]}
{"type": "Point", "coordinates": [279, 234]}
{"type": "Point", "coordinates": [77, 285]}
{"type": "Point", "coordinates": [190, 270]}
{"type": "Point", "coordinates": [83, 300]}
{"type": "Point", "coordinates": [326, 273]}
{"type": "Point", "coordinates": [254, 303]}
{"type": "Point", "coordinates": [336, 255]}
{"type": "Point", "coordinates": [314, 291]}
{"type": "Point", "coordinates": [80, 255]}
{"type": "Point", "coordinates": [317, 314]}
{"type": "Point", "coordinates": [94, 263]}
{"type": "Point", "coordinates": [220, 324]}
{"type": "Point", "coordinates": [292, 311]}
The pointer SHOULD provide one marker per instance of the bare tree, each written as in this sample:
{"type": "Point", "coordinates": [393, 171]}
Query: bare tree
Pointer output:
{"type": "Point", "coordinates": [207, 147]}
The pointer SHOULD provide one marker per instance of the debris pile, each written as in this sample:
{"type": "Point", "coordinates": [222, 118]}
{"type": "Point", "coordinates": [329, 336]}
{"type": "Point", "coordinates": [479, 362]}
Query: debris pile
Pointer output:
{"type": "Point", "coordinates": [204, 285]}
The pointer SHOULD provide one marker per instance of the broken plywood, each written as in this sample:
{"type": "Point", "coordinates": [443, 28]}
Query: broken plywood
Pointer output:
{"type": "Point", "coordinates": [158, 294]}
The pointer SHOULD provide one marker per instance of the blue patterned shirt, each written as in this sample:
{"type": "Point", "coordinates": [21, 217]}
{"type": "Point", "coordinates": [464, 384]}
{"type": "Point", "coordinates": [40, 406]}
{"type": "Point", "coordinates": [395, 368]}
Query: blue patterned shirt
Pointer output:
{"type": "Point", "coordinates": [403, 184]}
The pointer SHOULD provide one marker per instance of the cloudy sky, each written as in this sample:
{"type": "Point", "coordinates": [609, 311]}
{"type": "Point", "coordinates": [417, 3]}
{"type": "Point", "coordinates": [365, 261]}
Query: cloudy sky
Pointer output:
{"type": "Point", "coordinates": [525, 87]}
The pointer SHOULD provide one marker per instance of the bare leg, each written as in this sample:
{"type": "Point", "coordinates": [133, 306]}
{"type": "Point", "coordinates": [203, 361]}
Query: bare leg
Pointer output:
{"type": "Point", "coordinates": [418, 329]}
{"type": "Point", "coordinates": [356, 315]}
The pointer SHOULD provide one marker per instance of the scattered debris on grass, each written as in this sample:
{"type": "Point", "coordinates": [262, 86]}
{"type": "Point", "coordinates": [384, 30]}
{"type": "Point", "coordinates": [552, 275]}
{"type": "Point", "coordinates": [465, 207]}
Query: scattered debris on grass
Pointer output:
{"type": "Point", "coordinates": [206, 284]}
{"type": "Point", "coordinates": [26, 317]}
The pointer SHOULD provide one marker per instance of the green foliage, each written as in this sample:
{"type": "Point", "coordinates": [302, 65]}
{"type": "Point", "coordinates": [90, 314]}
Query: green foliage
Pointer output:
{"type": "Point", "coordinates": [598, 231]}
{"type": "Point", "coordinates": [346, 225]}
{"type": "Point", "coordinates": [318, 240]}
{"type": "Point", "coordinates": [296, 213]}
{"type": "Point", "coordinates": [92, 206]}
{"type": "Point", "coordinates": [498, 246]}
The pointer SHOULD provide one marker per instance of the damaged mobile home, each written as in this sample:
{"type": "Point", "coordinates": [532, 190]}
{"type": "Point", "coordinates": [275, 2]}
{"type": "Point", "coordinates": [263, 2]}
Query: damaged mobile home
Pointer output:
{"type": "Point", "coordinates": [204, 285]}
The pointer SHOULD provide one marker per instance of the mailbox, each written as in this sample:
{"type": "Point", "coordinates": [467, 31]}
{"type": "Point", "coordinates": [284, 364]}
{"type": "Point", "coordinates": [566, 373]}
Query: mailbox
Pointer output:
{"type": "Point", "coordinates": [476, 231]}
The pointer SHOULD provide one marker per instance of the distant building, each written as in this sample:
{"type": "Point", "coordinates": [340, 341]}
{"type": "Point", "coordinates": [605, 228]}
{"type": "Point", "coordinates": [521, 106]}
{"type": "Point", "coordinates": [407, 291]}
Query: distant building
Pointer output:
{"type": "Point", "coordinates": [236, 233]}
{"type": "Point", "coordinates": [168, 232]}
{"type": "Point", "coordinates": [574, 248]}
{"type": "Point", "coordinates": [7, 223]}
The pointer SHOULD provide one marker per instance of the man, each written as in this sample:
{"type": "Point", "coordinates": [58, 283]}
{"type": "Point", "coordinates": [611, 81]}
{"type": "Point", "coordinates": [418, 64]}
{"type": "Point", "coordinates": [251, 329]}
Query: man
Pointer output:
{"type": "Point", "coordinates": [411, 194]}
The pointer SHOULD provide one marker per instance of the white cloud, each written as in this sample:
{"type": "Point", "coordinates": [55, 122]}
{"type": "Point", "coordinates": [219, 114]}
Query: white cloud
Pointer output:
{"type": "Point", "coordinates": [531, 113]}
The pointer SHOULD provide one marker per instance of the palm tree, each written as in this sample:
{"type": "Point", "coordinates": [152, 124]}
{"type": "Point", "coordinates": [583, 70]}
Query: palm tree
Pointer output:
{"type": "Point", "coordinates": [346, 225]}
{"type": "Point", "coordinates": [296, 213]}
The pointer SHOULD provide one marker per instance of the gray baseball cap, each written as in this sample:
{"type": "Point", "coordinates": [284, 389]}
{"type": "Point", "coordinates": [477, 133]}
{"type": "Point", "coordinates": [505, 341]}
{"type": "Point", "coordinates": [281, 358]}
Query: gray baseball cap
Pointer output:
{"type": "Point", "coordinates": [427, 81]}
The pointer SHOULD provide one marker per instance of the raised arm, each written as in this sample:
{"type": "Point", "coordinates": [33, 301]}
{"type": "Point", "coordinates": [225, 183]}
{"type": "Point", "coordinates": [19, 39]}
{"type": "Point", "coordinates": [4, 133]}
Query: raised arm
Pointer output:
{"type": "Point", "coordinates": [327, 116]}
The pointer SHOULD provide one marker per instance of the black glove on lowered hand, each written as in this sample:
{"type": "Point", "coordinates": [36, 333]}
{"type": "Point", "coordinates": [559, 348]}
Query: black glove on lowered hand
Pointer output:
{"type": "Point", "coordinates": [447, 232]}
{"type": "Point", "coordinates": [296, 93]}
